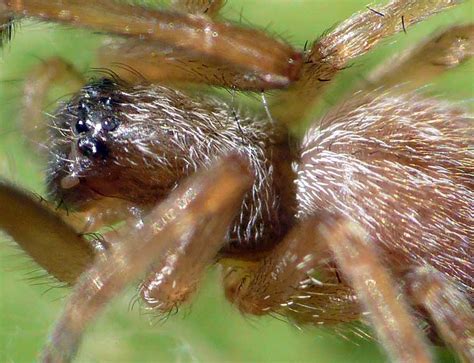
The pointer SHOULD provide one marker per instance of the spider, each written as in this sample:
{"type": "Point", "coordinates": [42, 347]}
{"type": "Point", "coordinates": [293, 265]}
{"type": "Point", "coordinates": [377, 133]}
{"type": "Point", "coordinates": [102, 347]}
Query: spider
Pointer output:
{"type": "Point", "coordinates": [370, 215]}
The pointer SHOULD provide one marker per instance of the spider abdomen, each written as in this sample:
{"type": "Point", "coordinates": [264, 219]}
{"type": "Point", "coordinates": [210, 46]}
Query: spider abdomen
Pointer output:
{"type": "Point", "coordinates": [400, 166]}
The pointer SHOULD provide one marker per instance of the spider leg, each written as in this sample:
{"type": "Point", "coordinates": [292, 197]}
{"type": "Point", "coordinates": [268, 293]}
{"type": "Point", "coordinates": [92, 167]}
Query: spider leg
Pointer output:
{"type": "Point", "coordinates": [198, 211]}
{"type": "Point", "coordinates": [284, 282]}
{"type": "Point", "coordinates": [261, 287]}
{"type": "Point", "coordinates": [352, 38]}
{"type": "Point", "coordinates": [35, 90]}
{"type": "Point", "coordinates": [425, 61]}
{"type": "Point", "coordinates": [323, 303]}
{"type": "Point", "coordinates": [177, 275]}
{"type": "Point", "coordinates": [199, 7]}
{"type": "Point", "coordinates": [140, 62]}
{"type": "Point", "coordinates": [448, 308]}
{"type": "Point", "coordinates": [48, 240]}
{"type": "Point", "coordinates": [56, 238]}
{"type": "Point", "coordinates": [252, 52]}
{"type": "Point", "coordinates": [378, 293]}
{"type": "Point", "coordinates": [276, 281]}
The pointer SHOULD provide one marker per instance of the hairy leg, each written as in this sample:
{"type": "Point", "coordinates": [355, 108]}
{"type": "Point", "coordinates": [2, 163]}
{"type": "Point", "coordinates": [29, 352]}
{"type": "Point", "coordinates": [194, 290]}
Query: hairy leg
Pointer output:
{"type": "Point", "coordinates": [139, 62]}
{"type": "Point", "coordinates": [261, 287]}
{"type": "Point", "coordinates": [35, 90]}
{"type": "Point", "coordinates": [323, 304]}
{"type": "Point", "coordinates": [272, 285]}
{"type": "Point", "coordinates": [56, 239]}
{"type": "Point", "coordinates": [447, 307]}
{"type": "Point", "coordinates": [199, 7]}
{"type": "Point", "coordinates": [199, 210]}
{"type": "Point", "coordinates": [47, 239]}
{"type": "Point", "coordinates": [249, 51]}
{"type": "Point", "coordinates": [422, 63]}
{"type": "Point", "coordinates": [378, 294]}
{"type": "Point", "coordinates": [352, 38]}
{"type": "Point", "coordinates": [296, 278]}
{"type": "Point", "coordinates": [176, 276]}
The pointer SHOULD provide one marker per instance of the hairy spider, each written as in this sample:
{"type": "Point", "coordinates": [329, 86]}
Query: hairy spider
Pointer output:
{"type": "Point", "coordinates": [370, 215]}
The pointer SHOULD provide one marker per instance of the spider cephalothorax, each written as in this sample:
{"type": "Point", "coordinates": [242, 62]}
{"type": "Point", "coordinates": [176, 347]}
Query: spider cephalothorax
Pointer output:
{"type": "Point", "coordinates": [138, 143]}
{"type": "Point", "coordinates": [370, 215]}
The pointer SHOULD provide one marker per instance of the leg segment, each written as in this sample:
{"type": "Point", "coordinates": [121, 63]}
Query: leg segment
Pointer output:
{"type": "Point", "coordinates": [178, 273]}
{"type": "Point", "coordinates": [262, 287]}
{"type": "Point", "coordinates": [424, 62]}
{"type": "Point", "coordinates": [281, 281]}
{"type": "Point", "coordinates": [199, 7]}
{"type": "Point", "coordinates": [315, 293]}
{"type": "Point", "coordinates": [139, 62]}
{"type": "Point", "coordinates": [354, 37]}
{"type": "Point", "coordinates": [317, 303]}
{"type": "Point", "coordinates": [48, 240]}
{"type": "Point", "coordinates": [251, 52]}
{"type": "Point", "coordinates": [448, 308]}
{"type": "Point", "coordinates": [35, 91]}
{"type": "Point", "coordinates": [198, 212]}
{"type": "Point", "coordinates": [378, 294]}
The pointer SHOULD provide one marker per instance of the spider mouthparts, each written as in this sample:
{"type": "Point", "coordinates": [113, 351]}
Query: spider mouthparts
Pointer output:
{"type": "Point", "coordinates": [291, 74]}
{"type": "Point", "coordinates": [69, 182]}
{"type": "Point", "coordinates": [295, 64]}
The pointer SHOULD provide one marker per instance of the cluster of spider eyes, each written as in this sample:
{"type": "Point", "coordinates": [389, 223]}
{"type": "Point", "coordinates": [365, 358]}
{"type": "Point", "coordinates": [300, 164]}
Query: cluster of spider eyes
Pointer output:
{"type": "Point", "coordinates": [94, 120]}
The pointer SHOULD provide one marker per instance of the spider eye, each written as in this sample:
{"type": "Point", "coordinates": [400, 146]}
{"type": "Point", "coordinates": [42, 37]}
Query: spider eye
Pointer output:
{"type": "Point", "coordinates": [110, 124]}
{"type": "Point", "coordinates": [91, 147]}
{"type": "Point", "coordinates": [82, 126]}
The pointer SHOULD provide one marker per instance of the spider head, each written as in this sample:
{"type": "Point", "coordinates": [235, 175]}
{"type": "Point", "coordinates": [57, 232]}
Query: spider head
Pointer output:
{"type": "Point", "coordinates": [99, 150]}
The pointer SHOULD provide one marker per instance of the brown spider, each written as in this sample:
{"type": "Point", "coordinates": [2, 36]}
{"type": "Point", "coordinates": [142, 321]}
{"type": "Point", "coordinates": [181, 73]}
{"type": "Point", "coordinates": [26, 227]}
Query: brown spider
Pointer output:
{"type": "Point", "coordinates": [371, 214]}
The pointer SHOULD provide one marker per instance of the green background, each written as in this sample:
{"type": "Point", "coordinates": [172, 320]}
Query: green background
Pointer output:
{"type": "Point", "coordinates": [210, 330]}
